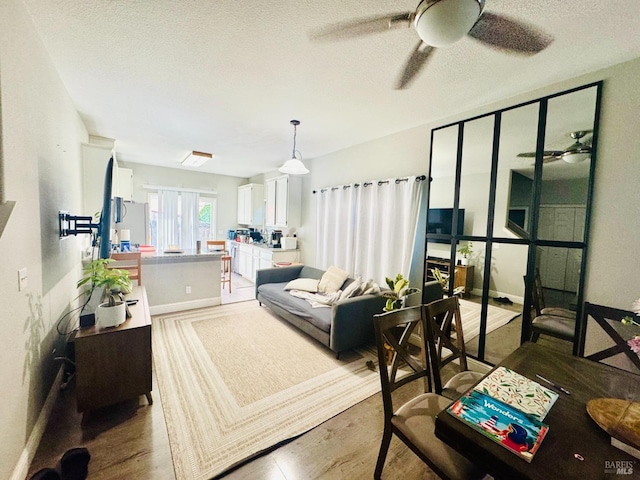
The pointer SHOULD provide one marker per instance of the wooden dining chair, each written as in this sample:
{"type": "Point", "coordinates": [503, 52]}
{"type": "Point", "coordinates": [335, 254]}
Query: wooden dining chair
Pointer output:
{"type": "Point", "coordinates": [130, 261]}
{"type": "Point", "coordinates": [554, 321]}
{"type": "Point", "coordinates": [442, 319]}
{"type": "Point", "coordinates": [414, 421]}
{"type": "Point", "coordinates": [217, 245]}
{"type": "Point", "coordinates": [225, 261]}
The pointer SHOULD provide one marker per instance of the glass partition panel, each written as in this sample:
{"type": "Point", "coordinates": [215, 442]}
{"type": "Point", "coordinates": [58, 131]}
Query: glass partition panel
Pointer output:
{"type": "Point", "coordinates": [559, 270]}
{"type": "Point", "coordinates": [506, 299]}
{"type": "Point", "coordinates": [440, 216]}
{"type": "Point", "coordinates": [471, 277]}
{"type": "Point", "coordinates": [475, 178]}
{"type": "Point", "coordinates": [516, 165]}
{"type": "Point", "coordinates": [565, 173]}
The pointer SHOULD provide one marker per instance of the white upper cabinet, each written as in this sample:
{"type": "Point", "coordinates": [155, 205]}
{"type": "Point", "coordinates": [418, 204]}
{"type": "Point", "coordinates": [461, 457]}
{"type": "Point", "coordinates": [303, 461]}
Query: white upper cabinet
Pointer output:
{"type": "Point", "coordinates": [124, 187]}
{"type": "Point", "coordinates": [250, 204]}
{"type": "Point", "coordinates": [283, 195]}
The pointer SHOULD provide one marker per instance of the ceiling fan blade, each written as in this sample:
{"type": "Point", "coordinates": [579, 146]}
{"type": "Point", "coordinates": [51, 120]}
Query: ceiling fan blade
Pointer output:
{"type": "Point", "coordinates": [361, 27]}
{"type": "Point", "coordinates": [546, 153]}
{"type": "Point", "coordinates": [415, 63]}
{"type": "Point", "coordinates": [504, 33]}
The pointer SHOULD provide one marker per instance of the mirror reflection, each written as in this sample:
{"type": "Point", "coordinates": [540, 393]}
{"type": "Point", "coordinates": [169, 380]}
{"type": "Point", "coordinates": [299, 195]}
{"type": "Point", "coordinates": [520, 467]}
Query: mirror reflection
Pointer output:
{"type": "Point", "coordinates": [558, 203]}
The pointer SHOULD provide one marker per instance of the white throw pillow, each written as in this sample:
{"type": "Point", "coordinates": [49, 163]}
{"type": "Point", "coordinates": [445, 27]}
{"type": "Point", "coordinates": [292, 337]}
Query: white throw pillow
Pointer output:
{"type": "Point", "coordinates": [332, 280]}
{"type": "Point", "coordinates": [352, 290]}
{"type": "Point", "coordinates": [304, 284]}
{"type": "Point", "coordinates": [374, 288]}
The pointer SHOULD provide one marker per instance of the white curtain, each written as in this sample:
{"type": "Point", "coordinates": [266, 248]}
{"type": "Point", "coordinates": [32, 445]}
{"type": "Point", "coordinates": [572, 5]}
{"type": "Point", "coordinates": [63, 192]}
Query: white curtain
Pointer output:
{"type": "Point", "coordinates": [369, 230]}
{"type": "Point", "coordinates": [168, 233]}
{"type": "Point", "coordinates": [189, 220]}
{"type": "Point", "coordinates": [336, 227]}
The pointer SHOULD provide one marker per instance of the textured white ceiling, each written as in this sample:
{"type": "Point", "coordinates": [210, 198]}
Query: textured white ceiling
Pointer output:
{"type": "Point", "coordinates": [164, 77]}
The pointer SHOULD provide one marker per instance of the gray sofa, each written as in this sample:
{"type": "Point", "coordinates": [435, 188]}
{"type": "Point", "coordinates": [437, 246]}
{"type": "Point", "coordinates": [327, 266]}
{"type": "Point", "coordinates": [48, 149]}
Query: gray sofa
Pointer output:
{"type": "Point", "coordinates": [345, 325]}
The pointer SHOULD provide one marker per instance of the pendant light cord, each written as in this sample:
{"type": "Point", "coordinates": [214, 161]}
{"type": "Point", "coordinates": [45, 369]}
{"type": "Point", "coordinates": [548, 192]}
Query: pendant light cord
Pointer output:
{"type": "Point", "coordinates": [293, 154]}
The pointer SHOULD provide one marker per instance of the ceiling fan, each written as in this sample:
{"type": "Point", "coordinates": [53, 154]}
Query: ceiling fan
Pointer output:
{"type": "Point", "coordinates": [440, 23]}
{"type": "Point", "coordinates": [575, 153]}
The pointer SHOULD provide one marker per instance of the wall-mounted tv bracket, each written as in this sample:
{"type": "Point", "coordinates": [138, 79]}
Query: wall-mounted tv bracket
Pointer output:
{"type": "Point", "coordinates": [74, 225]}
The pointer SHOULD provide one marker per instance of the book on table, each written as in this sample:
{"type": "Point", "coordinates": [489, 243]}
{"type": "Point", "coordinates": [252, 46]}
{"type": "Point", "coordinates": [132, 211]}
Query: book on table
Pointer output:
{"type": "Point", "coordinates": [507, 408]}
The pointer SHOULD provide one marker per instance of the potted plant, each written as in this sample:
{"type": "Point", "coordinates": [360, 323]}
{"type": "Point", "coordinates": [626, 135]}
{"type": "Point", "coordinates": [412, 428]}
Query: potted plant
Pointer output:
{"type": "Point", "coordinates": [466, 251]}
{"type": "Point", "coordinates": [398, 293]}
{"type": "Point", "coordinates": [115, 282]}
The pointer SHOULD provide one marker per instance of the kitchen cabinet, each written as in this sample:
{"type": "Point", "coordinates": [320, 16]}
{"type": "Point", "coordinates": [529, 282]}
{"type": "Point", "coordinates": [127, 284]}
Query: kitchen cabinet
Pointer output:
{"type": "Point", "coordinates": [283, 197]}
{"type": "Point", "coordinates": [252, 258]}
{"type": "Point", "coordinates": [124, 185]}
{"type": "Point", "coordinates": [245, 260]}
{"type": "Point", "coordinates": [251, 204]}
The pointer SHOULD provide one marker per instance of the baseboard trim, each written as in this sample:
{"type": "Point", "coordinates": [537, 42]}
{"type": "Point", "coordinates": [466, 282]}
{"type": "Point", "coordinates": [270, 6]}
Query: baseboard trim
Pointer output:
{"type": "Point", "coordinates": [24, 462]}
{"type": "Point", "coordinates": [177, 307]}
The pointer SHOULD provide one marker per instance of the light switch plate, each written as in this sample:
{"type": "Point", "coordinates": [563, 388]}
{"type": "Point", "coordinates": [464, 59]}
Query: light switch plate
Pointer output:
{"type": "Point", "coordinates": [23, 279]}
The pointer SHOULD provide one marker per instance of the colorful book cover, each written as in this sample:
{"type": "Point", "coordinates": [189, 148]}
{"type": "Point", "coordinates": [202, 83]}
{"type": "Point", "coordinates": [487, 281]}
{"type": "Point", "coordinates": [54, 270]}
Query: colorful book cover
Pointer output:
{"type": "Point", "coordinates": [514, 430]}
{"type": "Point", "coordinates": [518, 391]}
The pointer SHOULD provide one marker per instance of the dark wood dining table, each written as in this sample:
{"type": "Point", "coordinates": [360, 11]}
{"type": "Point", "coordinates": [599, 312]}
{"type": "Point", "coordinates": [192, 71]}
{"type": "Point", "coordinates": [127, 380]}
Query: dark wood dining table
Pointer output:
{"type": "Point", "coordinates": [575, 446]}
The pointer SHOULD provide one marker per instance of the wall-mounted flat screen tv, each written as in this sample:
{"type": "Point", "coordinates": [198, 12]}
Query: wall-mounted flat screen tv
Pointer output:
{"type": "Point", "coordinates": [440, 222]}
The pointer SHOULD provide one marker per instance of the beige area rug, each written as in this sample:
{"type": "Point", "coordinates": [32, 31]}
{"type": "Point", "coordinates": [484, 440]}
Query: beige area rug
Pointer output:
{"type": "Point", "coordinates": [236, 380]}
{"type": "Point", "coordinates": [470, 313]}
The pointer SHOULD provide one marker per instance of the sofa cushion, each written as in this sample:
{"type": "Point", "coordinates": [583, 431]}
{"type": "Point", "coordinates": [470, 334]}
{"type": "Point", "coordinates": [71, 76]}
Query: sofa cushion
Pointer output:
{"type": "Point", "coordinates": [276, 294]}
{"type": "Point", "coordinates": [304, 284]}
{"type": "Point", "coordinates": [352, 289]}
{"type": "Point", "coordinates": [332, 280]}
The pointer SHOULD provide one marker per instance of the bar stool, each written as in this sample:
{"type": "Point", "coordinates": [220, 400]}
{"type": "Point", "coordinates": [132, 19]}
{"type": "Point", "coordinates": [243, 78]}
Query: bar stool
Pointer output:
{"type": "Point", "coordinates": [226, 271]}
{"type": "Point", "coordinates": [225, 260]}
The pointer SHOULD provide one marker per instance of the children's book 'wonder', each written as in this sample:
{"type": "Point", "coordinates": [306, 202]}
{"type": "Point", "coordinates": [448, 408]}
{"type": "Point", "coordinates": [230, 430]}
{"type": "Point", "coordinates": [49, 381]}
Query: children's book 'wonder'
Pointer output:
{"type": "Point", "coordinates": [518, 391]}
{"type": "Point", "coordinates": [513, 429]}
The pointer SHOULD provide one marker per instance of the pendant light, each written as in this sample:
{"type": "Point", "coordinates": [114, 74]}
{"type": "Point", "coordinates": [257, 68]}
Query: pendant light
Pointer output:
{"type": "Point", "coordinates": [294, 166]}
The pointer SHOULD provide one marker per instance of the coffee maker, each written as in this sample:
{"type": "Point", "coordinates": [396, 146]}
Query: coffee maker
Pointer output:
{"type": "Point", "coordinates": [276, 235]}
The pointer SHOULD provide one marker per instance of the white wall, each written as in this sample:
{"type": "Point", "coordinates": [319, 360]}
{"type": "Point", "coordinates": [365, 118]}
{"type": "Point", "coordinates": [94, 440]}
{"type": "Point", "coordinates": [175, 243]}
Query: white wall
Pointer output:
{"type": "Point", "coordinates": [225, 186]}
{"type": "Point", "coordinates": [41, 137]}
{"type": "Point", "coordinates": [613, 272]}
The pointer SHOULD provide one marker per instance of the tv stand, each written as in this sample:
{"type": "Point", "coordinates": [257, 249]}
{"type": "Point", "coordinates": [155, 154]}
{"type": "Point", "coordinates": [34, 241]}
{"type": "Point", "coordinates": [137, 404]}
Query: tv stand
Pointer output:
{"type": "Point", "coordinates": [114, 364]}
{"type": "Point", "coordinates": [463, 273]}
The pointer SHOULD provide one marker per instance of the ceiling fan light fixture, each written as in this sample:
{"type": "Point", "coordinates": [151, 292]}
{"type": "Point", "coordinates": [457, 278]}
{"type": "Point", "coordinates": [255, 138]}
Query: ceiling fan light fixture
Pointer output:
{"type": "Point", "coordinates": [294, 166]}
{"type": "Point", "coordinates": [440, 23]}
{"type": "Point", "coordinates": [196, 159]}
{"type": "Point", "coordinates": [576, 156]}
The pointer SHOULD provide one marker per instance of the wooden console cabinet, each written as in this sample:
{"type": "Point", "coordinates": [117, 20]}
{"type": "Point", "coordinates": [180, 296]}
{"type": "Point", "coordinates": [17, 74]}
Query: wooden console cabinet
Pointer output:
{"type": "Point", "coordinates": [463, 274]}
{"type": "Point", "coordinates": [114, 364]}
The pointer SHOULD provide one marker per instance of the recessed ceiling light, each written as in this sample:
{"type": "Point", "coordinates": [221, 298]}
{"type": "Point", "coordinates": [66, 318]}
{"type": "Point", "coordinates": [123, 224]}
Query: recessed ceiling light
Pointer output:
{"type": "Point", "coordinates": [196, 159]}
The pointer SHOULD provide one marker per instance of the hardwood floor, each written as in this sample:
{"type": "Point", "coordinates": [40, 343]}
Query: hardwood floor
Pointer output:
{"type": "Point", "coordinates": [129, 441]}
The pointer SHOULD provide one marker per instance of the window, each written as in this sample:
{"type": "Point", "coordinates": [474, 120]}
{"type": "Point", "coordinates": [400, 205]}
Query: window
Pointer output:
{"type": "Point", "coordinates": [207, 213]}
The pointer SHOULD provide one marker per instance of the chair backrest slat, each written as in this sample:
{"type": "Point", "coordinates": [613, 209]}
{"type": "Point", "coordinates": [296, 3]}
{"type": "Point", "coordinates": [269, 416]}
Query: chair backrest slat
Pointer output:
{"type": "Point", "coordinates": [443, 316]}
{"type": "Point", "coordinates": [401, 331]}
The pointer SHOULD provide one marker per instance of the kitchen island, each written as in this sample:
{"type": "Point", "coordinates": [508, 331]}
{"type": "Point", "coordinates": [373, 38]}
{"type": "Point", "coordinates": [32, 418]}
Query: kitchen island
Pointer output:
{"type": "Point", "coordinates": [181, 281]}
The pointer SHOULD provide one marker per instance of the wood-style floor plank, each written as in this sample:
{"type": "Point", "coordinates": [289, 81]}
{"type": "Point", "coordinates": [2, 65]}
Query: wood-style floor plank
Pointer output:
{"type": "Point", "coordinates": [129, 440]}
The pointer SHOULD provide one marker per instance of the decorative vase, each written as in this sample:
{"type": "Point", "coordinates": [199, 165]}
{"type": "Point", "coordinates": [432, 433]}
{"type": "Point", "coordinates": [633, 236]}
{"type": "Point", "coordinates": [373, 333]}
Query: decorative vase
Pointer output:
{"type": "Point", "coordinates": [110, 316]}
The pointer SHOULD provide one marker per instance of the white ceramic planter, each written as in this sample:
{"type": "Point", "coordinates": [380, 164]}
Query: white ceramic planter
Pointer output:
{"type": "Point", "coordinates": [107, 316]}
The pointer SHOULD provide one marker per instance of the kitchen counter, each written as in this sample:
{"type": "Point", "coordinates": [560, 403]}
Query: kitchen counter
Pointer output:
{"type": "Point", "coordinates": [181, 281]}
{"type": "Point", "coordinates": [186, 256]}
{"type": "Point", "coordinates": [265, 246]}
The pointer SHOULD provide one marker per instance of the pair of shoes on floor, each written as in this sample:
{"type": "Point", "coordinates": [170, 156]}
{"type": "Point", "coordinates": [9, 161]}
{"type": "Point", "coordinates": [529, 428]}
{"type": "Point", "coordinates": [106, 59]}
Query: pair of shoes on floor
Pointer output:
{"type": "Point", "coordinates": [73, 465]}
{"type": "Point", "coordinates": [504, 300]}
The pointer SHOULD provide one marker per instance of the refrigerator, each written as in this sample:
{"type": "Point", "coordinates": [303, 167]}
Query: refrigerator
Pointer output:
{"type": "Point", "coordinates": [134, 219]}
